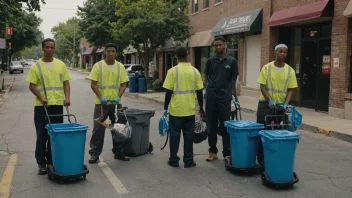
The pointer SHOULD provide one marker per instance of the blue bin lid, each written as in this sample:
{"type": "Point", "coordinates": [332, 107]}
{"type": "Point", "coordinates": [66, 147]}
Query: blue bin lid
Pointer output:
{"type": "Point", "coordinates": [67, 127]}
{"type": "Point", "coordinates": [279, 135]}
{"type": "Point", "coordinates": [243, 124]}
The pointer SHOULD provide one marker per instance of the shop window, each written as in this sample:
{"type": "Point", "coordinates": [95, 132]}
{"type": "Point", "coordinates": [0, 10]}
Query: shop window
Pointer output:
{"type": "Point", "coordinates": [194, 6]}
{"type": "Point", "coordinates": [232, 46]}
{"type": "Point", "coordinates": [205, 3]}
{"type": "Point", "coordinates": [326, 31]}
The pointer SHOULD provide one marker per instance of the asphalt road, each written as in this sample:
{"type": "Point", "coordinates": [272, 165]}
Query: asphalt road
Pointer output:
{"type": "Point", "coordinates": [323, 164]}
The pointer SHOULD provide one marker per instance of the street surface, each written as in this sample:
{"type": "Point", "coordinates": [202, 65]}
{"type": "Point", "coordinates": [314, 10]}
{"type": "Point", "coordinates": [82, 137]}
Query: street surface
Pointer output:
{"type": "Point", "coordinates": [323, 164]}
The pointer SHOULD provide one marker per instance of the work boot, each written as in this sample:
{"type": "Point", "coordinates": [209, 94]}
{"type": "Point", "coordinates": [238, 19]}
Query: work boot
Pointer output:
{"type": "Point", "coordinates": [190, 165]}
{"type": "Point", "coordinates": [173, 164]}
{"type": "Point", "coordinates": [211, 157]}
{"type": "Point", "coordinates": [122, 157]}
{"type": "Point", "coordinates": [42, 169]}
{"type": "Point", "coordinates": [93, 159]}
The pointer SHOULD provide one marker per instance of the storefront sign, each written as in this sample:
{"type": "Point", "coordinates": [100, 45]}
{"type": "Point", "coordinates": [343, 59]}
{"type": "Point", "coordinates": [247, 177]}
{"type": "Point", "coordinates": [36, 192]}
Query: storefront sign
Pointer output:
{"type": "Point", "coordinates": [326, 65]}
{"type": "Point", "coordinates": [336, 62]}
{"type": "Point", "coordinates": [238, 23]}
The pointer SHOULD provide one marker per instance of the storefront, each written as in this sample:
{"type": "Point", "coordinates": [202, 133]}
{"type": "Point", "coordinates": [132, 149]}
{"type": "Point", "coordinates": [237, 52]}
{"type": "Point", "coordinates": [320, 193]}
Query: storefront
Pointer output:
{"type": "Point", "coordinates": [243, 35]}
{"type": "Point", "coordinates": [348, 96]}
{"type": "Point", "coordinates": [307, 32]}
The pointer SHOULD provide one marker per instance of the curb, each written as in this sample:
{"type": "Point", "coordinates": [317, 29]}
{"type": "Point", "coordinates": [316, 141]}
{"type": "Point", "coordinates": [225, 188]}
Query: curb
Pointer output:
{"type": "Point", "coordinates": [306, 127]}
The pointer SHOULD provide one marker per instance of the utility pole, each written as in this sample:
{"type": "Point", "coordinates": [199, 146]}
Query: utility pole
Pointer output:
{"type": "Point", "coordinates": [74, 45]}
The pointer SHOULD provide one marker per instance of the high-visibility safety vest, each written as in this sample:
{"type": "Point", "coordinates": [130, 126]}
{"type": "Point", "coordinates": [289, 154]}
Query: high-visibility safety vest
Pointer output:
{"type": "Point", "coordinates": [108, 82]}
{"type": "Point", "coordinates": [53, 79]}
{"type": "Point", "coordinates": [184, 80]}
{"type": "Point", "coordinates": [277, 83]}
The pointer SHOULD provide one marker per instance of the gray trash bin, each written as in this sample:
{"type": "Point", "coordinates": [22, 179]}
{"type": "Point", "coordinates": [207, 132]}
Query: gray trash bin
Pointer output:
{"type": "Point", "coordinates": [140, 122]}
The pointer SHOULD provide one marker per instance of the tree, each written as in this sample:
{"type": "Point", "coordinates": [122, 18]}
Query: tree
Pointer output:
{"type": "Point", "coordinates": [148, 24]}
{"type": "Point", "coordinates": [67, 36]}
{"type": "Point", "coordinates": [95, 18]}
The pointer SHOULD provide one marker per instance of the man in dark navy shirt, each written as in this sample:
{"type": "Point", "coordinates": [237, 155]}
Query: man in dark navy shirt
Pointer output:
{"type": "Point", "coordinates": [220, 77]}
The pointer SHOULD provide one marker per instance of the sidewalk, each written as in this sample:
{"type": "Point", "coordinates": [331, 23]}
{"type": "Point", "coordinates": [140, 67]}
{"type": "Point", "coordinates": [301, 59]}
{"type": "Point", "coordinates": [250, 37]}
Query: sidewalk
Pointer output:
{"type": "Point", "coordinates": [315, 122]}
{"type": "Point", "coordinates": [312, 121]}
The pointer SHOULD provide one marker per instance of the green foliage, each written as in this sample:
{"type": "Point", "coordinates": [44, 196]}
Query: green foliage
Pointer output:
{"type": "Point", "coordinates": [67, 36]}
{"type": "Point", "coordinates": [157, 85]}
{"type": "Point", "coordinates": [95, 18]}
{"type": "Point", "coordinates": [147, 24]}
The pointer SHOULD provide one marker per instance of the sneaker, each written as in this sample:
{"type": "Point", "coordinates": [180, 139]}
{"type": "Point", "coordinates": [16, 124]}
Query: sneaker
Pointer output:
{"type": "Point", "coordinates": [42, 170]}
{"type": "Point", "coordinates": [190, 165]}
{"type": "Point", "coordinates": [122, 157]}
{"type": "Point", "coordinates": [93, 159]}
{"type": "Point", "coordinates": [211, 157]}
{"type": "Point", "coordinates": [173, 164]}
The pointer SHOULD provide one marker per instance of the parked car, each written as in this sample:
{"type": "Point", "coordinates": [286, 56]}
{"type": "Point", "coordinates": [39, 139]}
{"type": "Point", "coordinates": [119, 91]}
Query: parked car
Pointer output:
{"type": "Point", "coordinates": [15, 66]}
{"type": "Point", "coordinates": [131, 69]}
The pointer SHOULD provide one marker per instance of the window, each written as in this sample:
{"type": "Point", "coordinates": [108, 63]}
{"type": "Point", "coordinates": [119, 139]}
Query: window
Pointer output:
{"type": "Point", "coordinates": [218, 1]}
{"type": "Point", "coordinates": [206, 4]}
{"type": "Point", "coordinates": [194, 6]}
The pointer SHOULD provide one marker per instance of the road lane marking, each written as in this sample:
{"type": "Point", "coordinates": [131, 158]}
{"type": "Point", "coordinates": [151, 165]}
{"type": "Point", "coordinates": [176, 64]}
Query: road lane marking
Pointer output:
{"type": "Point", "coordinates": [114, 180]}
{"type": "Point", "coordinates": [6, 180]}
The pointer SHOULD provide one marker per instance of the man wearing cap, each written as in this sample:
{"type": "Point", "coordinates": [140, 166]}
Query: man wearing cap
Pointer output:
{"type": "Point", "coordinates": [277, 83]}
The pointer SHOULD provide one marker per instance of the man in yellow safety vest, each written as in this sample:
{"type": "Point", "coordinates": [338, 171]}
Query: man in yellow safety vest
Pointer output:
{"type": "Point", "coordinates": [277, 83]}
{"type": "Point", "coordinates": [183, 83]}
{"type": "Point", "coordinates": [49, 82]}
{"type": "Point", "coordinates": [108, 82]}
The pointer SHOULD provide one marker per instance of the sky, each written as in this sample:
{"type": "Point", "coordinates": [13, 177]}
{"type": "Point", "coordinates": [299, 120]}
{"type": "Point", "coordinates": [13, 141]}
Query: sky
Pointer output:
{"type": "Point", "coordinates": [56, 11]}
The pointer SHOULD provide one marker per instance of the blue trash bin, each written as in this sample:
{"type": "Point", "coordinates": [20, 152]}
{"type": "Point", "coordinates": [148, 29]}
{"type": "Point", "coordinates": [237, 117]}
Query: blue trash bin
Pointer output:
{"type": "Point", "coordinates": [279, 154]}
{"type": "Point", "coordinates": [142, 84]}
{"type": "Point", "coordinates": [243, 139]}
{"type": "Point", "coordinates": [67, 147]}
{"type": "Point", "coordinates": [132, 84]}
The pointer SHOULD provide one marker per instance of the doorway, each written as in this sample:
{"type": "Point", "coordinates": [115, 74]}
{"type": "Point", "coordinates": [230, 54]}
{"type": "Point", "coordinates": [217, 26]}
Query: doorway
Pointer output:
{"type": "Point", "coordinates": [315, 81]}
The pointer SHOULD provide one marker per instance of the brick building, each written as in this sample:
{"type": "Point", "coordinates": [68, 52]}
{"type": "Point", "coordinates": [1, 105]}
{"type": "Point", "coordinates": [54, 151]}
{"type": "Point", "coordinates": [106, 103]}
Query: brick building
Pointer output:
{"type": "Point", "coordinates": [317, 32]}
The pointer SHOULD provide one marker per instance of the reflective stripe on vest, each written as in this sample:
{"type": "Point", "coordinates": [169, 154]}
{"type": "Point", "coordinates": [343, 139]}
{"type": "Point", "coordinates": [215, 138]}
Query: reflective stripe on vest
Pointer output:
{"type": "Point", "coordinates": [177, 91]}
{"type": "Point", "coordinates": [270, 84]}
{"type": "Point", "coordinates": [116, 86]}
{"type": "Point", "coordinates": [42, 79]}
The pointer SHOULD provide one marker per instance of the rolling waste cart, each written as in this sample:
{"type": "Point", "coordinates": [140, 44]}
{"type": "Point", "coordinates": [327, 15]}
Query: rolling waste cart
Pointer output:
{"type": "Point", "coordinates": [244, 136]}
{"type": "Point", "coordinates": [139, 120]}
{"type": "Point", "coordinates": [67, 147]}
{"type": "Point", "coordinates": [279, 146]}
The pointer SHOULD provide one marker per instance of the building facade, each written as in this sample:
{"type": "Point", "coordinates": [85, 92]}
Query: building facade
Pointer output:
{"type": "Point", "coordinates": [317, 32]}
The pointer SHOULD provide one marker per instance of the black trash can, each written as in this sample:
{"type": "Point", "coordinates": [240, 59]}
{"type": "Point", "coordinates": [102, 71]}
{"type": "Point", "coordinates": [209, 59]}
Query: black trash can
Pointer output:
{"type": "Point", "coordinates": [139, 120]}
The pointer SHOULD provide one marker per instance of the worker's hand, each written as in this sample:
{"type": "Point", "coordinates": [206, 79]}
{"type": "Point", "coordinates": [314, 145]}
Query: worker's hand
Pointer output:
{"type": "Point", "coordinates": [272, 104]}
{"type": "Point", "coordinates": [44, 101]}
{"type": "Point", "coordinates": [67, 102]}
{"type": "Point", "coordinates": [117, 100]}
{"type": "Point", "coordinates": [103, 100]}
{"type": "Point", "coordinates": [201, 113]}
{"type": "Point", "coordinates": [165, 112]}
{"type": "Point", "coordinates": [237, 103]}
{"type": "Point", "coordinates": [285, 106]}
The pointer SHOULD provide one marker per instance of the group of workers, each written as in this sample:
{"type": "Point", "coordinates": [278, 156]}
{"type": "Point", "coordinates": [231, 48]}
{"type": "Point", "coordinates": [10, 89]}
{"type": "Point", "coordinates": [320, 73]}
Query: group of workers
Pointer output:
{"type": "Point", "coordinates": [49, 82]}
{"type": "Point", "coordinates": [183, 84]}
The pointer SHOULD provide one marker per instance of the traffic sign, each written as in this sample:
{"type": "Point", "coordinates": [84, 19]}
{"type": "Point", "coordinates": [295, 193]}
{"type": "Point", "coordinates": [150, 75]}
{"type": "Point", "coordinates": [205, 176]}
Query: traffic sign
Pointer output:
{"type": "Point", "coordinates": [8, 31]}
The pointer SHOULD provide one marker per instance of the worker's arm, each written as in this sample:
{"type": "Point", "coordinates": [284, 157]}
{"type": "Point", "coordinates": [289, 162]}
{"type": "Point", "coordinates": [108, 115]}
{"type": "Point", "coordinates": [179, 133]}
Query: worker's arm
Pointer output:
{"type": "Point", "coordinates": [95, 88]}
{"type": "Point", "coordinates": [67, 91]}
{"type": "Point", "coordinates": [122, 89]}
{"type": "Point", "coordinates": [265, 92]}
{"type": "Point", "coordinates": [34, 90]}
{"type": "Point", "coordinates": [200, 102]}
{"type": "Point", "coordinates": [233, 82]}
{"type": "Point", "coordinates": [289, 95]}
{"type": "Point", "coordinates": [168, 96]}
{"type": "Point", "coordinates": [234, 73]}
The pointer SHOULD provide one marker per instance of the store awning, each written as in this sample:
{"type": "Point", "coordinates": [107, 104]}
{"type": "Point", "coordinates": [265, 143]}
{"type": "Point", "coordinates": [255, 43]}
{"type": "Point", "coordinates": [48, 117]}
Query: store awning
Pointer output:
{"type": "Point", "coordinates": [301, 13]}
{"type": "Point", "coordinates": [201, 39]}
{"type": "Point", "coordinates": [88, 51]}
{"type": "Point", "coordinates": [100, 50]}
{"type": "Point", "coordinates": [348, 11]}
{"type": "Point", "coordinates": [249, 21]}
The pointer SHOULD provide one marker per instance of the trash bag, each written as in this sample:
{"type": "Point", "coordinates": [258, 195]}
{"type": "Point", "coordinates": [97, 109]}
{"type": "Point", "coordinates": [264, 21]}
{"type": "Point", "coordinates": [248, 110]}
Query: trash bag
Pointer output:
{"type": "Point", "coordinates": [121, 132]}
{"type": "Point", "coordinates": [200, 131]}
{"type": "Point", "coordinates": [163, 125]}
{"type": "Point", "coordinates": [294, 118]}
